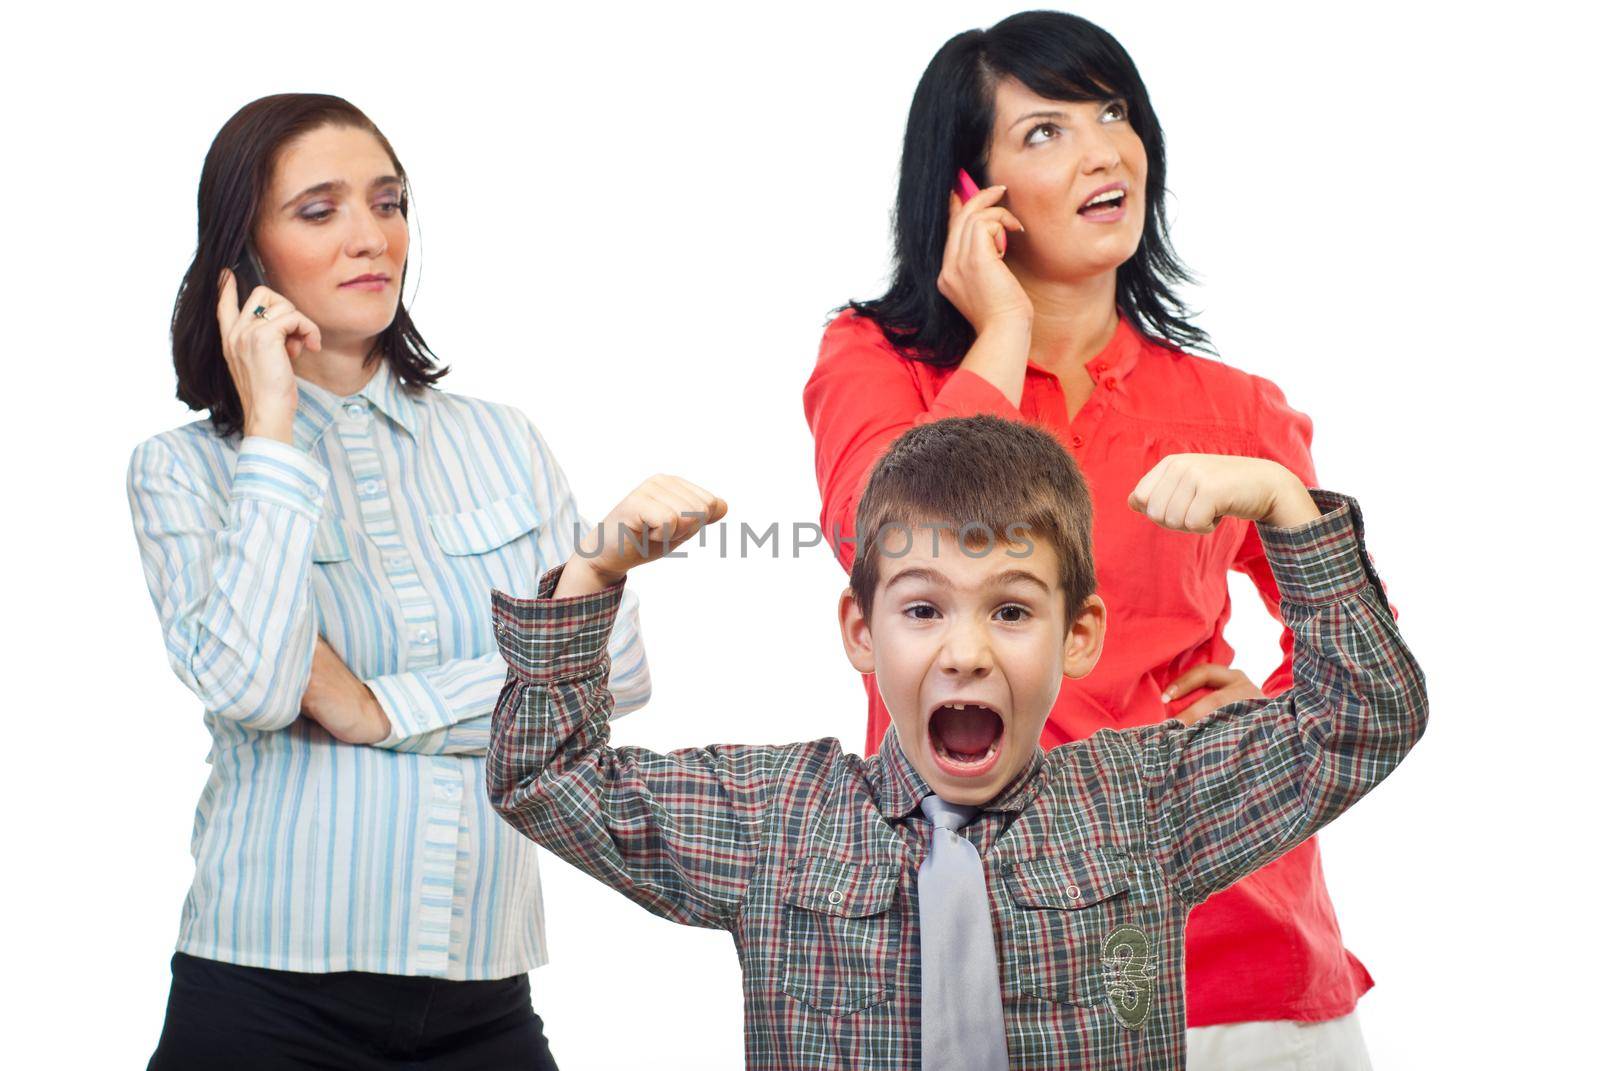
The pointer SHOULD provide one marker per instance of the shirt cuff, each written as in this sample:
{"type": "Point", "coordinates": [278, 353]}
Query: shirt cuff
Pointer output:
{"type": "Point", "coordinates": [1324, 560]}
{"type": "Point", "coordinates": [544, 638]}
{"type": "Point", "coordinates": [270, 471]}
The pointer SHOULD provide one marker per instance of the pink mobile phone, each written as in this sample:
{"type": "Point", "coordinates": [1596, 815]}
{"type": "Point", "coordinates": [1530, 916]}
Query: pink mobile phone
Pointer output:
{"type": "Point", "coordinates": [966, 189]}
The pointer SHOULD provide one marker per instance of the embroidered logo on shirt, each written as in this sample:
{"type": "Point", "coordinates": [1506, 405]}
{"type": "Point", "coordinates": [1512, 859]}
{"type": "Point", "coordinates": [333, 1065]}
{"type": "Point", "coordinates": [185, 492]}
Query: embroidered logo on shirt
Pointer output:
{"type": "Point", "coordinates": [1126, 959]}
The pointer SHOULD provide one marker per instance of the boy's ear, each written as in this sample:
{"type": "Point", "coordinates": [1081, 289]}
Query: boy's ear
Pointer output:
{"type": "Point", "coordinates": [1086, 638]}
{"type": "Point", "coordinates": [853, 630]}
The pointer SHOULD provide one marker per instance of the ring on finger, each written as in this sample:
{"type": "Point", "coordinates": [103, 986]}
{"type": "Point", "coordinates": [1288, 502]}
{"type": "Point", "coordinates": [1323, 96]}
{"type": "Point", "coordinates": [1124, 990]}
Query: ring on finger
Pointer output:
{"type": "Point", "coordinates": [260, 312]}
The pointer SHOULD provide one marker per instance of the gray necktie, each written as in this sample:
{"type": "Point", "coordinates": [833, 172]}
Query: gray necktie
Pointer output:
{"type": "Point", "coordinates": [962, 1029]}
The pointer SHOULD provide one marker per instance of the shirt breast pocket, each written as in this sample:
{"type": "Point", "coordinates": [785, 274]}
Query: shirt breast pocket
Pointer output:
{"type": "Point", "coordinates": [1062, 909]}
{"type": "Point", "coordinates": [841, 934]}
{"type": "Point", "coordinates": [487, 529]}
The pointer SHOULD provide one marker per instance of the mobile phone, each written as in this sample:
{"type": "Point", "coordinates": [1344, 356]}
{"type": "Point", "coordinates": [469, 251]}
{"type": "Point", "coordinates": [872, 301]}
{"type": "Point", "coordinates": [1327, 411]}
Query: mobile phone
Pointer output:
{"type": "Point", "coordinates": [966, 189]}
{"type": "Point", "coordinates": [247, 274]}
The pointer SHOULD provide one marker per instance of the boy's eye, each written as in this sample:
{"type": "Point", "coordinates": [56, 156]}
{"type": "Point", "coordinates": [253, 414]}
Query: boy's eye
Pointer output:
{"type": "Point", "coordinates": [916, 612]}
{"type": "Point", "coordinates": [1013, 614]}
{"type": "Point", "coordinates": [1041, 133]}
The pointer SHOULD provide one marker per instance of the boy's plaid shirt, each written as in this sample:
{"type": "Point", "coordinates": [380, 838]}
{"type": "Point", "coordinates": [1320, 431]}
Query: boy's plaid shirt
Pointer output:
{"type": "Point", "coordinates": [808, 856]}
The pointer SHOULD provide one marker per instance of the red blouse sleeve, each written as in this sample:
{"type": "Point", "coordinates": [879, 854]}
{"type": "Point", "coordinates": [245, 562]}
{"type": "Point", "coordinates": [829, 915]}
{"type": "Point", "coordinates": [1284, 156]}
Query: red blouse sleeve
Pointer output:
{"type": "Point", "coordinates": [862, 395]}
{"type": "Point", "coordinates": [1283, 434]}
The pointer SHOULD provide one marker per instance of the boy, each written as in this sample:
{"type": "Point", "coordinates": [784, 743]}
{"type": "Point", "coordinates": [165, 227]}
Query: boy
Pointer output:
{"type": "Point", "coordinates": [961, 900]}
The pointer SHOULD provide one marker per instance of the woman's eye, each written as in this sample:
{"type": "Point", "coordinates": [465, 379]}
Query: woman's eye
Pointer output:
{"type": "Point", "coordinates": [388, 208]}
{"type": "Point", "coordinates": [316, 213]}
{"type": "Point", "coordinates": [1042, 133]}
{"type": "Point", "coordinates": [1013, 615]}
{"type": "Point", "coordinates": [1116, 111]}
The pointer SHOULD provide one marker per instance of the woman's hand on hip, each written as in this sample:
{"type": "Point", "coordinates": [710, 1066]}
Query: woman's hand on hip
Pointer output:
{"type": "Point", "coordinates": [340, 702]}
{"type": "Point", "coordinates": [1229, 685]}
{"type": "Point", "coordinates": [973, 276]}
{"type": "Point", "coordinates": [259, 351]}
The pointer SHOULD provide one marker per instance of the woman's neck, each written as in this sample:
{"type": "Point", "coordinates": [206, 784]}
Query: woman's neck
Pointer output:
{"type": "Point", "coordinates": [1071, 321]}
{"type": "Point", "coordinates": [339, 367]}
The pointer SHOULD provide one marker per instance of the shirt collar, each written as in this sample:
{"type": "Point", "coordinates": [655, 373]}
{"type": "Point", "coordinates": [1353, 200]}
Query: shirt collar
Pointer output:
{"type": "Point", "coordinates": [902, 790]}
{"type": "Point", "coordinates": [318, 406]}
{"type": "Point", "coordinates": [1117, 359]}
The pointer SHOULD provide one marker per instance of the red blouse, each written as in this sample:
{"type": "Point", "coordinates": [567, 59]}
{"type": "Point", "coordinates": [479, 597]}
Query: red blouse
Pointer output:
{"type": "Point", "coordinates": [1269, 946]}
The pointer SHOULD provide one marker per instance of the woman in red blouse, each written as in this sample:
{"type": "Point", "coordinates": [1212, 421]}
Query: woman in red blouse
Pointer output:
{"type": "Point", "coordinates": [1049, 298]}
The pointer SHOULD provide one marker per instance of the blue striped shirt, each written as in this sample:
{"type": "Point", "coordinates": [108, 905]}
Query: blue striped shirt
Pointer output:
{"type": "Point", "coordinates": [383, 528]}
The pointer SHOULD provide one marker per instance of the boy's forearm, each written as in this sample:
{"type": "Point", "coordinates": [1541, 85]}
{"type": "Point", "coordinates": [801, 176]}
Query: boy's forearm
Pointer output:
{"type": "Point", "coordinates": [1252, 781]}
{"type": "Point", "coordinates": [555, 704]}
{"type": "Point", "coordinates": [676, 833]}
{"type": "Point", "coordinates": [1359, 696]}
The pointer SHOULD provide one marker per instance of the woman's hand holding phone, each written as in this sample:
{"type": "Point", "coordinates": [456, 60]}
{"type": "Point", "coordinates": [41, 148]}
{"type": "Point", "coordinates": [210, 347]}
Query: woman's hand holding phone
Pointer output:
{"type": "Point", "coordinates": [973, 276]}
{"type": "Point", "coordinates": [260, 351]}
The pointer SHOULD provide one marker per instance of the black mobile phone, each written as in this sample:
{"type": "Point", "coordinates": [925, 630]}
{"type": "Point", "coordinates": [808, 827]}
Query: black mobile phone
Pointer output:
{"type": "Point", "coordinates": [247, 274]}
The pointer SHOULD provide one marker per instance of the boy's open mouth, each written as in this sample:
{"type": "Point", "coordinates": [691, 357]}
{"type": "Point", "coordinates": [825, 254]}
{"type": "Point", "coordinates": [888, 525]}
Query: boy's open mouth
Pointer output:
{"type": "Point", "coordinates": [965, 738]}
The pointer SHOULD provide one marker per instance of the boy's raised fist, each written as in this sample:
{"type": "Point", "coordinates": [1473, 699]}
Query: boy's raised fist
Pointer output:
{"type": "Point", "coordinates": [1192, 492]}
{"type": "Point", "coordinates": [655, 518]}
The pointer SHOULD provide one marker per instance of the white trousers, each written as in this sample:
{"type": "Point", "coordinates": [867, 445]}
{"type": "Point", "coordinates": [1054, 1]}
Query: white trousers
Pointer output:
{"type": "Point", "coordinates": [1280, 1045]}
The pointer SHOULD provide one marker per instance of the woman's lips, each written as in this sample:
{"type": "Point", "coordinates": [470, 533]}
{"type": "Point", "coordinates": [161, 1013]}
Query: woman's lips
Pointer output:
{"type": "Point", "coordinates": [1098, 215]}
{"type": "Point", "coordinates": [1109, 212]}
{"type": "Point", "coordinates": [1112, 204]}
{"type": "Point", "coordinates": [365, 283]}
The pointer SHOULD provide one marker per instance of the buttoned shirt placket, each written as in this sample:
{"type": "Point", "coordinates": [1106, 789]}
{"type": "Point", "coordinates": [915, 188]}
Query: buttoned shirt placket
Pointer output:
{"type": "Point", "coordinates": [434, 945]}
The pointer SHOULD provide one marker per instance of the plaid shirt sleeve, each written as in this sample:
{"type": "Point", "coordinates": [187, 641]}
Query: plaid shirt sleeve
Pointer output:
{"type": "Point", "coordinates": [1255, 778]}
{"type": "Point", "coordinates": [677, 833]}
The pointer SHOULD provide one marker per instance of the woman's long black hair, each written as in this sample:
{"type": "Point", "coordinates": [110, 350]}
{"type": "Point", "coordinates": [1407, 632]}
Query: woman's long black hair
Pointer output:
{"type": "Point", "coordinates": [233, 183]}
{"type": "Point", "coordinates": [1059, 56]}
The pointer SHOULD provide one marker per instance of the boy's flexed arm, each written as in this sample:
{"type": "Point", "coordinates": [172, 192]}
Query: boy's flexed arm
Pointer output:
{"type": "Point", "coordinates": [1247, 783]}
{"type": "Point", "coordinates": [677, 833]}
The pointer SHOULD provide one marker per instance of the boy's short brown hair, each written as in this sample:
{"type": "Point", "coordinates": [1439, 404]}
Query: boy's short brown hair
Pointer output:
{"type": "Point", "coordinates": [985, 482]}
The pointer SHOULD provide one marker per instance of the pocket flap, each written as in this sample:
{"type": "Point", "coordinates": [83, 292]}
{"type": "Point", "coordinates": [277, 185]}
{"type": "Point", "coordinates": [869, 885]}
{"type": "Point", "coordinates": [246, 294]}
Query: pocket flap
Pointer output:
{"type": "Point", "coordinates": [329, 543]}
{"type": "Point", "coordinates": [1070, 880]}
{"type": "Point", "coordinates": [477, 531]}
{"type": "Point", "coordinates": [836, 888]}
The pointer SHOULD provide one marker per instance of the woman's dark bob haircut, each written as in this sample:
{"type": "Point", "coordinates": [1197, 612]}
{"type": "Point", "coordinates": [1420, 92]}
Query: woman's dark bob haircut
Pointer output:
{"type": "Point", "coordinates": [233, 185]}
{"type": "Point", "coordinates": [1059, 56]}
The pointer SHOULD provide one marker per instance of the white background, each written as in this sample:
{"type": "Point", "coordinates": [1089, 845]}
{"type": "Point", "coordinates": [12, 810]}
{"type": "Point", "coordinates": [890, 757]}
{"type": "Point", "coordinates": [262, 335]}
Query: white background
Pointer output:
{"type": "Point", "coordinates": [633, 223]}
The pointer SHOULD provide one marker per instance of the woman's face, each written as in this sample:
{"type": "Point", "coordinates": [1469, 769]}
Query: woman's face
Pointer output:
{"type": "Point", "coordinates": [330, 234]}
{"type": "Point", "coordinates": [1054, 157]}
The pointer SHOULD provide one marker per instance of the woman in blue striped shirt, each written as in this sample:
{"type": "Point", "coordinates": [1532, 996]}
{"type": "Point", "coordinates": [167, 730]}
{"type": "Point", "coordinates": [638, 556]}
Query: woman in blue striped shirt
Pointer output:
{"type": "Point", "coordinates": [320, 551]}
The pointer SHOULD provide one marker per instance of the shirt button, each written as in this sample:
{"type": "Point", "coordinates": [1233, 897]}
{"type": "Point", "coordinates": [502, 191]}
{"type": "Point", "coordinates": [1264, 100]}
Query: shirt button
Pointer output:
{"type": "Point", "coordinates": [355, 410]}
{"type": "Point", "coordinates": [1110, 383]}
{"type": "Point", "coordinates": [424, 636]}
{"type": "Point", "coordinates": [836, 897]}
{"type": "Point", "coordinates": [1077, 441]}
{"type": "Point", "coordinates": [394, 561]}
{"type": "Point", "coordinates": [1074, 893]}
{"type": "Point", "coordinates": [370, 487]}
{"type": "Point", "coordinates": [1099, 366]}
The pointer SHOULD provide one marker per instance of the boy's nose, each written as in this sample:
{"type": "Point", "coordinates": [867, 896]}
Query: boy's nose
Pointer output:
{"type": "Point", "coordinates": [966, 651]}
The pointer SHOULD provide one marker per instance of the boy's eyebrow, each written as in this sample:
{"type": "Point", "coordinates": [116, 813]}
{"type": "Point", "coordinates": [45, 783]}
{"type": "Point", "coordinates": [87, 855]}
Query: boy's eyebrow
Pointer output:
{"type": "Point", "coordinates": [933, 576]}
{"type": "Point", "coordinates": [339, 185]}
